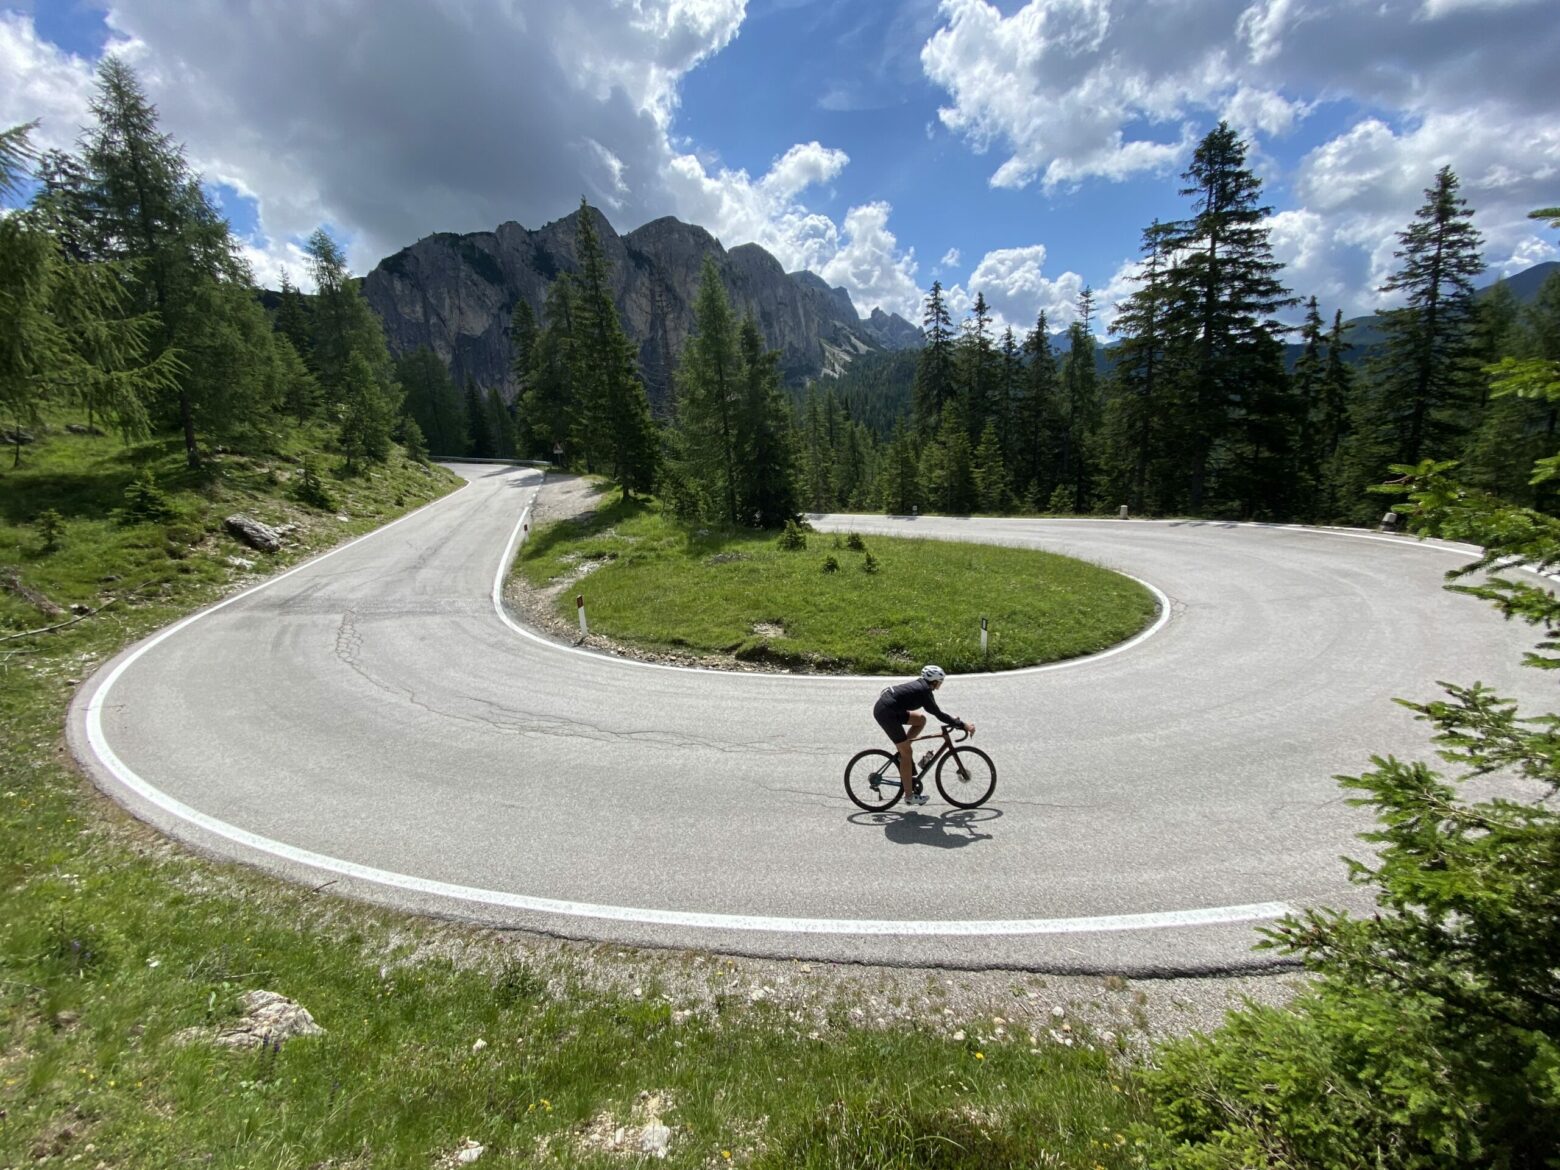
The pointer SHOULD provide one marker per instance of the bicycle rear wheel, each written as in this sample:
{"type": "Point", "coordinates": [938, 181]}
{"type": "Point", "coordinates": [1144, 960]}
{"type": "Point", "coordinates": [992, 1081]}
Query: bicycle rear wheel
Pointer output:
{"type": "Point", "coordinates": [971, 780]}
{"type": "Point", "coordinates": [872, 780]}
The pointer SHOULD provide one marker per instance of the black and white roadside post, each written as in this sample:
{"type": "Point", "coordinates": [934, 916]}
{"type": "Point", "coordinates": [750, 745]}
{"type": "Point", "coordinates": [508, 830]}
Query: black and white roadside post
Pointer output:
{"type": "Point", "coordinates": [1123, 513]}
{"type": "Point", "coordinates": [983, 653]}
{"type": "Point", "coordinates": [579, 604]}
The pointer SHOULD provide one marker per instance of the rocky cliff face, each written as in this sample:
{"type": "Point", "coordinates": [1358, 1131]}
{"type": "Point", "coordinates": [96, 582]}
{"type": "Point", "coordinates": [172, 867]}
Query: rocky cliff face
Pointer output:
{"type": "Point", "coordinates": [455, 295]}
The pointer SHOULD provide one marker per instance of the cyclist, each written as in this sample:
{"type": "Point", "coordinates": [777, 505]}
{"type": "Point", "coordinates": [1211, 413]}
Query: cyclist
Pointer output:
{"type": "Point", "coordinates": [901, 705]}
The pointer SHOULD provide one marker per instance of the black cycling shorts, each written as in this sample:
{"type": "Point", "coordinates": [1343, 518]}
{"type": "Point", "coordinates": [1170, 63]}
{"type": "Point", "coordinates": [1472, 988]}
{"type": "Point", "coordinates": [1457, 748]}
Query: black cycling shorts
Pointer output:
{"type": "Point", "coordinates": [891, 721]}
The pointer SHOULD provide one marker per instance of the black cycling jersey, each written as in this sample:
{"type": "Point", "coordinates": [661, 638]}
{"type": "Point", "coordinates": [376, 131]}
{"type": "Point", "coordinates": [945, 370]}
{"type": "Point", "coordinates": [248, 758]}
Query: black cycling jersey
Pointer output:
{"type": "Point", "coordinates": [912, 696]}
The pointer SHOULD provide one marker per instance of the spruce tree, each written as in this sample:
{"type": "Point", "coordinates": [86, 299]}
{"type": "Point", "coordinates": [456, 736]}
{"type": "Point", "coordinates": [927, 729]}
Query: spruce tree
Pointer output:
{"type": "Point", "coordinates": [366, 415]}
{"type": "Point", "coordinates": [1334, 424]}
{"type": "Point", "coordinates": [1079, 415]}
{"type": "Point", "coordinates": [975, 364]}
{"type": "Point", "coordinates": [614, 426]}
{"type": "Point", "coordinates": [767, 471]}
{"type": "Point", "coordinates": [292, 318]}
{"type": "Point", "coordinates": [934, 371]}
{"type": "Point", "coordinates": [947, 465]}
{"type": "Point", "coordinates": [993, 493]}
{"type": "Point", "coordinates": [1035, 416]}
{"type": "Point", "coordinates": [501, 425]}
{"type": "Point", "coordinates": [709, 385]}
{"type": "Point", "coordinates": [1426, 376]}
{"type": "Point", "coordinates": [550, 407]}
{"type": "Point", "coordinates": [1224, 292]}
{"type": "Point", "coordinates": [899, 484]}
{"type": "Point", "coordinates": [1139, 428]}
{"type": "Point", "coordinates": [432, 400]}
{"type": "Point", "coordinates": [479, 424]}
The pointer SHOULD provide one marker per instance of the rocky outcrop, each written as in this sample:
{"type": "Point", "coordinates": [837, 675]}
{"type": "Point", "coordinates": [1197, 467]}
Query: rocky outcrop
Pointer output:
{"type": "Point", "coordinates": [456, 294]}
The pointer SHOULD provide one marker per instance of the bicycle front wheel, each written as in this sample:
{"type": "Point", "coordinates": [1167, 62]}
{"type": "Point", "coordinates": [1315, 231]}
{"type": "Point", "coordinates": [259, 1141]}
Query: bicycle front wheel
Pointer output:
{"type": "Point", "coordinates": [966, 777]}
{"type": "Point", "coordinates": [872, 780]}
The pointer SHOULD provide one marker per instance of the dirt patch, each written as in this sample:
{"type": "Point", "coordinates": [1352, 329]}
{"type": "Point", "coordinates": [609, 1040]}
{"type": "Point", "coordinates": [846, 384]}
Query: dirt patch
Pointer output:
{"type": "Point", "coordinates": [768, 630]}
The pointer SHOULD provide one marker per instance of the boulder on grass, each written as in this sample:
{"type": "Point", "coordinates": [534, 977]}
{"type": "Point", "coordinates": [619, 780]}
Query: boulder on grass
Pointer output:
{"type": "Point", "coordinates": [256, 535]}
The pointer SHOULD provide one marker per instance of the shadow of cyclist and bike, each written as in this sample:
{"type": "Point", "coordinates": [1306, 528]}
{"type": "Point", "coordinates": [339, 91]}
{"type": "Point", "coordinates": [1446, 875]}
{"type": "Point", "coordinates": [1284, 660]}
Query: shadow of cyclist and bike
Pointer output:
{"type": "Point", "coordinates": [953, 829]}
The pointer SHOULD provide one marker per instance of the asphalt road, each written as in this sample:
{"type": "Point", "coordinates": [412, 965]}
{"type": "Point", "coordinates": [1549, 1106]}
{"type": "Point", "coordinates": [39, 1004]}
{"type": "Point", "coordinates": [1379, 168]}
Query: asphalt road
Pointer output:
{"type": "Point", "coordinates": [371, 722]}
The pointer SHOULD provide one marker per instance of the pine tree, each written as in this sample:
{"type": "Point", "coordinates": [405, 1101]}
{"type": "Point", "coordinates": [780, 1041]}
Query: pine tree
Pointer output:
{"type": "Point", "coordinates": [934, 372]}
{"type": "Point", "coordinates": [709, 385]}
{"type": "Point", "coordinates": [1307, 380]}
{"type": "Point", "coordinates": [1334, 424]}
{"type": "Point", "coordinates": [432, 400]}
{"type": "Point", "coordinates": [614, 425]}
{"type": "Point", "coordinates": [1224, 292]}
{"type": "Point", "coordinates": [297, 386]}
{"type": "Point", "coordinates": [501, 425]}
{"type": "Point", "coordinates": [479, 424]}
{"type": "Point", "coordinates": [366, 416]}
{"type": "Point", "coordinates": [899, 485]}
{"type": "Point", "coordinates": [993, 492]}
{"type": "Point", "coordinates": [1035, 416]}
{"type": "Point", "coordinates": [1138, 427]}
{"type": "Point", "coordinates": [550, 405]}
{"type": "Point", "coordinates": [817, 455]}
{"type": "Point", "coordinates": [975, 366]}
{"type": "Point", "coordinates": [767, 470]}
{"type": "Point", "coordinates": [292, 319]}
{"type": "Point", "coordinates": [947, 471]}
{"type": "Point", "coordinates": [1427, 375]}
{"type": "Point", "coordinates": [1079, 416]}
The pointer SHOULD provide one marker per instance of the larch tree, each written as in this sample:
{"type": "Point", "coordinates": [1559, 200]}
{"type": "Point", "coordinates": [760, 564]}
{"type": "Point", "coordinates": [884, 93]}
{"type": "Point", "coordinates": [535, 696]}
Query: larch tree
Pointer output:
{"type": "Point", "coordinates": [708, 398]}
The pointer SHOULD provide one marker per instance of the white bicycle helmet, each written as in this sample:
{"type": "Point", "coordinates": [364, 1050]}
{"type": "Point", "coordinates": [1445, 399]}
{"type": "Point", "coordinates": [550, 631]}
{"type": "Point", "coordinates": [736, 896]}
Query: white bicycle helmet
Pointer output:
{"type": "Point", "coordinates": [932, 673]}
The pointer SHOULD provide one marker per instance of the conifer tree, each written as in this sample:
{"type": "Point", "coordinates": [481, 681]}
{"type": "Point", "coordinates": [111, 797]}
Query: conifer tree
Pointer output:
{"type": "Point", "coordinates": [297, 387]}
{"type": "Point", "coordinates": [993, 492]}
{"type": "Point", "coordinates": [1224, 294]}
{"type": "Point", "coordinates": [366, 415]}
{"type": "Point", "coordinates": [899, 490]}
{"type": "Point", "coordinates": [479, 424]}
{"type": "Point", "coordinates": [501, 425]}
{"type": "Point", "coordinates": [709, 386]}
{"type": "Point", "coordinates": [1079, 415]}
{"type": "Point", "coordinates": [934, 370]}
{"type": "Point", "coordinates": [1035, 416]}
{"type": "Point", "coordinates": [817, 455]}
{"type": "Point", "coordinates": [767, 471]}
{"type": "Point", "coordinates": [434, 403]}
{"type": "Point", "coordinates": [141, 204]}
{"type": "Point", "coordinates": [549, 405]}
{"type": "Point", "coordinates": [976, 366]}
{"type": "Point", "coordinates": [614, 426]}
{"type": "Point", "coordinates": [292, 318]}
{"type": "Point", "coordinates": [947, 470]}
{"type": "Point", "coordinates": [1138, 426]}
{"type": "Point", "coordinates": [1335, 424]}
{"type": "Point", "coordinates": [1426, 376]}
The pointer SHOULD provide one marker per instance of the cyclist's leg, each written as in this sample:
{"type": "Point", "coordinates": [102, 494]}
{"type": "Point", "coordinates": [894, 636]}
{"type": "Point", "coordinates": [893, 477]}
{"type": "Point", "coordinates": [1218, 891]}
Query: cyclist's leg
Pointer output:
{"type": "Point", "coordinates": [907, 751]}
{"type": "Point", "coordinates": [893, 727]}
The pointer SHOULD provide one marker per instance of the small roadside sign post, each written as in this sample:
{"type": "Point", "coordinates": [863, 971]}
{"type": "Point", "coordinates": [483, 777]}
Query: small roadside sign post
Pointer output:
{"type": "Point", "coordinates": [579, 604]}
{"type": "Point", "coordinates": [983, 637]}
{"type": "Point", "coordinates": [558, 451]}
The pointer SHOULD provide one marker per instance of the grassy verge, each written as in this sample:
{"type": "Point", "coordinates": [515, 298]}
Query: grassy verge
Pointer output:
{"type": "Point", "coordinates": [655, 583]}
{"type": "Point", "coordinates": [113, 942]}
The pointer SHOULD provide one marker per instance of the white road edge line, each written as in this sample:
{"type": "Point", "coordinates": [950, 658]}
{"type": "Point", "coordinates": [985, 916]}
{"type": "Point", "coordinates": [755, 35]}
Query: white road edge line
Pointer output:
{"type": "Point", "coordinates": [1208, 916]}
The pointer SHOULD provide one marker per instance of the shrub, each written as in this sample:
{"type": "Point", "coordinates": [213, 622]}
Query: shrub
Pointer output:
{"type": "Point", "coordinates": [870, 565]}
{"type": "Point", "coordinates": [792, 539]}
{"type": "Point", "coordinates": [1431, 1036]}
{"type": "Point", "coordinates": [51, 526]}
{"type": "Point", "coordinates": [855, 543]}
{"type": "Point", "coordinates": [144, 500]}
{"type": "Point", "coordinates": [831, 564]}
{"type": "Point", "coordinates": [1061, 501]}
{"type": "Point", "coordinates": [311, 488]}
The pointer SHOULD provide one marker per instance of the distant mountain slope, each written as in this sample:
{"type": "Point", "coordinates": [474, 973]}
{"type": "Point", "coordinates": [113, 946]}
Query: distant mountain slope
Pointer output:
{"type": "Point", "coordinates": [455, 294]}
{"type": "Point", "coordinates": [1365, 332]}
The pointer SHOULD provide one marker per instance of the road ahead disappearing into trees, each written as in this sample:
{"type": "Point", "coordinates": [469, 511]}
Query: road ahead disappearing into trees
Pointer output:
{"type": "Point", "coordinates": [370, 722]}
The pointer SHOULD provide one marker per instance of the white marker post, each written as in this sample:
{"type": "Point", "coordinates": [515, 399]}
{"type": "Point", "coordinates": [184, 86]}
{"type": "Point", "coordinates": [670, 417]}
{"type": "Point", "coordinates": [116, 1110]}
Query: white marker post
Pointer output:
{"type": "Point", "coordinates": [983, 637]}
{"type": "Point", "coordinates": [579, 604]}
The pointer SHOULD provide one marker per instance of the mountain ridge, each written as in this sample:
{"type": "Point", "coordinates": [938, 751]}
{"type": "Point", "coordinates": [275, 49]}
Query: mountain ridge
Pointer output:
{"type": "Point", "coordinates": [455, 293]}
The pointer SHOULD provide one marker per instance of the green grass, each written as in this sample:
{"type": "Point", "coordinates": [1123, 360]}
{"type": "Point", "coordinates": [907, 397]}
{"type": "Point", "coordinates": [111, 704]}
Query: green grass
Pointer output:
{"type": "Point", "coordinates": [112, 941]}
{"type": "Point", "coordinates": [657, 584]}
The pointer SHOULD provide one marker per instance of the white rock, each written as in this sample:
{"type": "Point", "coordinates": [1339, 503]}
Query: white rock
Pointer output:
{"type": "Point", "coordinates": [655, 1139]}
{"type": "Point", "coordinates": [1057, 1012]}
{"type": "Point", "coordinates": [468, 1153]}
{"type": "Point", "coordinates": [959, 1035]}
{"type": "Point", "coordinates": [479, 1045]}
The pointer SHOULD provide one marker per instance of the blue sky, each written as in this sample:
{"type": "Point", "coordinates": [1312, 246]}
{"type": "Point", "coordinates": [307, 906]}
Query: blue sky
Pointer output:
{"type": "Point", "coordinates": [1016, 149]}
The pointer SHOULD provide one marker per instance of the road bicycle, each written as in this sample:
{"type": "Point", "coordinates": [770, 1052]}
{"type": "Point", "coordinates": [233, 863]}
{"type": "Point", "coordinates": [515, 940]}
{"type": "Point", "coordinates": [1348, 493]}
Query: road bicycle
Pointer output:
{"type": "Point", "coordinates": [965, 775]}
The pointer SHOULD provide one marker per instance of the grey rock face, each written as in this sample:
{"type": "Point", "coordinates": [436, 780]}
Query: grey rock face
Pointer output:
{"type": "Point", "coordinates": [455, 295]}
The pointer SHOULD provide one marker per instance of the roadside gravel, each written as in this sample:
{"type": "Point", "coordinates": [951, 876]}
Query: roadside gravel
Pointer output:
{"type": "Point", "coordinates": [1127, 1013]}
